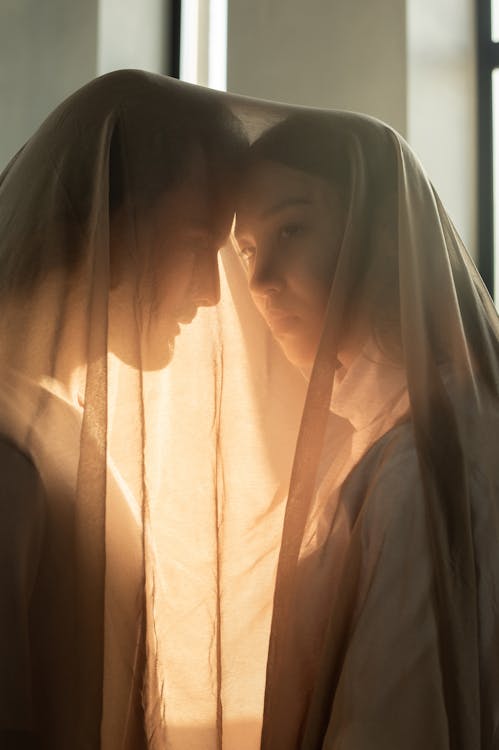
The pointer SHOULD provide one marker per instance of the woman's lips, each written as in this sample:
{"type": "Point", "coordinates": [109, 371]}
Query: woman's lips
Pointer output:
{"type": "Point", "coordinates": [281, 322]}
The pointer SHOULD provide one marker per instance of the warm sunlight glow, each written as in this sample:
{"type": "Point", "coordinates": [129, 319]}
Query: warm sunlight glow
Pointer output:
{"type": "Point", "coordinates": [203, 43]}
{"type": "Point", "coordinates": [189, 41]}
{"type": "Point", "coordinates": [217, 48]}
{"type": "Point", "coordinates": [494, 9]}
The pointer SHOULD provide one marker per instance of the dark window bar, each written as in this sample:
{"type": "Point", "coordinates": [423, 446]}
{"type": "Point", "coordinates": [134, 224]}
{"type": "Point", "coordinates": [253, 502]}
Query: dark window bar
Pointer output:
{"type": "Point", "coordinates": [488, 59]}
{"type": "Point", "coordinates": [174, 61]}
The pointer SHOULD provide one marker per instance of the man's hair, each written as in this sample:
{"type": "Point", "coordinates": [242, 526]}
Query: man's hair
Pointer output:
{"type": "Point", "coordinates": [51, 186]}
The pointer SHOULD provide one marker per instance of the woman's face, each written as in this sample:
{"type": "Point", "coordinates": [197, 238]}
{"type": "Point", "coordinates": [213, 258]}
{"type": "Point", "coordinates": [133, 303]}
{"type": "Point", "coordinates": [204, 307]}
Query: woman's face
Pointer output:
{"type": "Point", "coordinates": [176, 246]}
{"type": "Point", "coordinates": [289, 227]}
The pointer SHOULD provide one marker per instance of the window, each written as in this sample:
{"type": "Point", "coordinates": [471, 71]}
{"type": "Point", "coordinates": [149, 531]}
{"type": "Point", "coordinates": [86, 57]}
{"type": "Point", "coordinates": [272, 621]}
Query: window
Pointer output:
{"type": "Point", "coordinates": [198, 42]}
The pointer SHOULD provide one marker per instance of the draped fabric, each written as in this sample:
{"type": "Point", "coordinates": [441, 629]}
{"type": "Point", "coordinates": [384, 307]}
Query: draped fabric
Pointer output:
{"type": "Point", "coordinates": [218, 531]}
{"type": "Point", "coordinates": [385, 622]}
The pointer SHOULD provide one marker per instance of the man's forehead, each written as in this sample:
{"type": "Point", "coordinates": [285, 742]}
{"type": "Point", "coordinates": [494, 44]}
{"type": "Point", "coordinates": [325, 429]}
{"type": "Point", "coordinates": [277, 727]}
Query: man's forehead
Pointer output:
{"type": "Point", "coordinates": [195, 203]}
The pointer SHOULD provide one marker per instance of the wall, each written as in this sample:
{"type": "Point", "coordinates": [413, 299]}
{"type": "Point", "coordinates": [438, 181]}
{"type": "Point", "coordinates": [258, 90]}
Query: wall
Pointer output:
{"type": "Point", "coordinates": [348, 54]}
{"type": "Point", "coordinates": [47, 49]}
{"type": "Point", "coordinates": [133, 34]}
{"type": "Point", "coordinates": [441, 104]}
{"type": "Point", "coordinates": [409, 62]}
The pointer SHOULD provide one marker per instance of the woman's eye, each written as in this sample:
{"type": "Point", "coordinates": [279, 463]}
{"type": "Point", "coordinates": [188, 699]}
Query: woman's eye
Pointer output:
{"type": "Point", "coordinates": [247, 252]}
{"type": "Point", "coordinates": [288, 231]}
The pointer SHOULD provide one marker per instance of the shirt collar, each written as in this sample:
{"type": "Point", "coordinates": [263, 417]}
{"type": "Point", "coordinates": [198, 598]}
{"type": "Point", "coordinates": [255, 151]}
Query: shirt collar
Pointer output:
{"type": "Point", "coordinates": [370, 388]}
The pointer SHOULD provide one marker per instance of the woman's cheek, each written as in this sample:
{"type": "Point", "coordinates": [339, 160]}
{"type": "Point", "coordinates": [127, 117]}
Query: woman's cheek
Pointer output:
{"type": "Point", "coordinates": [315, 277]}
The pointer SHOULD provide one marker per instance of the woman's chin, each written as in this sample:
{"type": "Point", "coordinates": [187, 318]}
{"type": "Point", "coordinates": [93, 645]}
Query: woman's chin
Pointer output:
{"type": "Point", "coordinates": [301, 356]}
{"type": "Point", "coordinates": [298, 340]}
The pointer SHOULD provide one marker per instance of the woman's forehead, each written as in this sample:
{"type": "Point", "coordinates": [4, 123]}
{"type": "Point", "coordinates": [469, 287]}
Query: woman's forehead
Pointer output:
{"type": "Point", "coordinates": [269, 188]}
{"type": "Point", "coordinates": [267, 184]}
{"type": "Point", "coordinates": [272, 177]}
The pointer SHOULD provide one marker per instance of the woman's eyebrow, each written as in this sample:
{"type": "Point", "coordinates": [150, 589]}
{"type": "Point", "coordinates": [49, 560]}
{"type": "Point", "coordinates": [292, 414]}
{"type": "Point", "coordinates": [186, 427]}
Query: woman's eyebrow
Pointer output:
{"type": "Point", "coordinates": [299, 200]}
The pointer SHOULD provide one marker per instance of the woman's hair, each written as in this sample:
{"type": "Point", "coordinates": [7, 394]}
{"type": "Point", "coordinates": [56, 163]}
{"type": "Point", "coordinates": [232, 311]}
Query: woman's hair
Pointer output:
{"type": "Point", "coordinates": [310, 143]}
{"type": "Point", "coordinates": [307, 143]}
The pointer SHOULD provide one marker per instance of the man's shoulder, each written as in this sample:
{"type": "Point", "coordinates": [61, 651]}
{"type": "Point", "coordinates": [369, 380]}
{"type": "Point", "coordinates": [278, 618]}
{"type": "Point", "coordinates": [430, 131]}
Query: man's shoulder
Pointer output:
{"type": "Point", "coordinates": [18, 473]}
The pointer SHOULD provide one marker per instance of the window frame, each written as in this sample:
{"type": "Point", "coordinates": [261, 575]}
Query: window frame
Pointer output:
{"type": "Point", "coordinates": [487, 61]}
{"type": "Point", "coordinates": [175, 8]}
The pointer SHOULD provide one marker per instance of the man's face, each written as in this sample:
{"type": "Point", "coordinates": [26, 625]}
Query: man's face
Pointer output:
{"type": "Point", "coordinates": [176, 246]}
{"type": "Point", "coordinates": [288, 228]}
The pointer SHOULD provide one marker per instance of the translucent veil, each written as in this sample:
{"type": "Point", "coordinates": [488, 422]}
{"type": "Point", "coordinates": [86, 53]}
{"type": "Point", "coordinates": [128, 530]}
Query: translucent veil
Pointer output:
{"type": "Point", "coordinates": [385, 625]}
{"type": "Point", "coordinates": [156, 453]}
{"type": "Point", "coordinates": [198, 582]}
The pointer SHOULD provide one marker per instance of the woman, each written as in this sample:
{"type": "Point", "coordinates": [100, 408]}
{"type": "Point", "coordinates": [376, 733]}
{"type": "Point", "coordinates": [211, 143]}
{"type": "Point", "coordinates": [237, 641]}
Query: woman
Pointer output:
{"type": "Point", "coordinates": [385, 630]}
{"type": "Point", "coordinates": [111, 218]}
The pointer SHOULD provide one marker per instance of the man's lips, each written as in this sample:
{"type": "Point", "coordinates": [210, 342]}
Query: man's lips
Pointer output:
{"type": "Point", "coordinates": [186, 316]}
{"type": "Point", "coordinates": [182, 316]}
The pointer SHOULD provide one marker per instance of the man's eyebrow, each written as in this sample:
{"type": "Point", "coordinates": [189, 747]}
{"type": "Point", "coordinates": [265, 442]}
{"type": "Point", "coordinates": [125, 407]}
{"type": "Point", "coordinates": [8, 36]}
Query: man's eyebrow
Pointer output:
{"type": "Point", "coordinates": [298, 200]}
{"type": "Point", "coordinates": [197, 224]}
{"type": "Point", "coordinates": [194, 217]}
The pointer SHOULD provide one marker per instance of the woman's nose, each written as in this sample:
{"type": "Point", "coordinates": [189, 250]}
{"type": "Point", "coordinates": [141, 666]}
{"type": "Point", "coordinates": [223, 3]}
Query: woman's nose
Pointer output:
{"type": "Point", "coordinates": [266, 276]}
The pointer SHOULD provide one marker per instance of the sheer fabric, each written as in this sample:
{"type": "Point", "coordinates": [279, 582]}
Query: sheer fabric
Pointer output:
{"type": "Point", "coordinates": [223, 552]}
{"type": "Point", "coordinates": [385, 623]}
{"type": "Point", "coordinates": [112, 215]}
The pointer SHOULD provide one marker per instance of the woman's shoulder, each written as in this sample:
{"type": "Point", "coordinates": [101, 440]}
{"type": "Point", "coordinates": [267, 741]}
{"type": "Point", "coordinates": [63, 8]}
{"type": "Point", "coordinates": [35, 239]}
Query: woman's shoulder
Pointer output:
{"type": "Point", "coordinates": [385, 481]}
{"type": "Point", "coordinates": [391, 460]}
{"type": "Point", "coordinates": [389, 477]}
